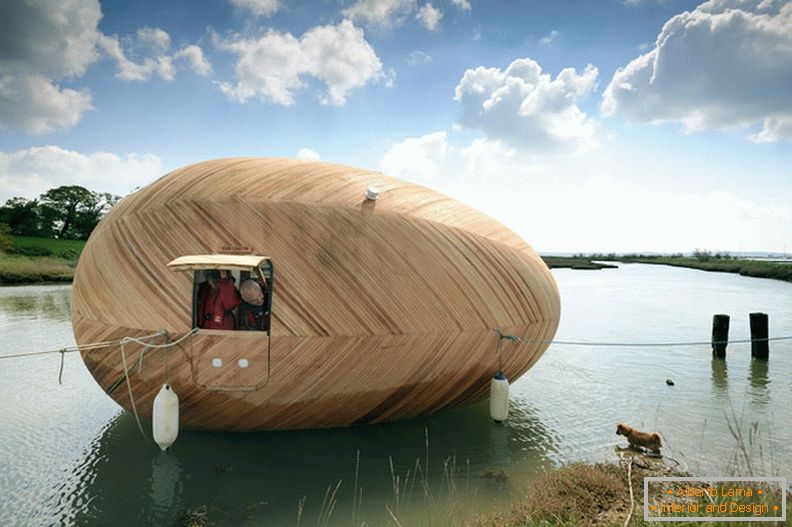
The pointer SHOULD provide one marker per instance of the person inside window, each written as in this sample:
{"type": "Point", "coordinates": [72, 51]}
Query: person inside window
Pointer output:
{"type": "Point", "coordinates": [253, 313]}
{"type": "Point", "coordinates": [218, 299]}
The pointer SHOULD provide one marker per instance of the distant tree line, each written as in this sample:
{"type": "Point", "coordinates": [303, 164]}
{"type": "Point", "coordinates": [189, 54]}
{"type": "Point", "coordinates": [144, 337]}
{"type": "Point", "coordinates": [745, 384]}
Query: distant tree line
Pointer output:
{"type": "Point", "coordinates": [701, 255]}
{"type": "Point", "coordinates": [69, 212]}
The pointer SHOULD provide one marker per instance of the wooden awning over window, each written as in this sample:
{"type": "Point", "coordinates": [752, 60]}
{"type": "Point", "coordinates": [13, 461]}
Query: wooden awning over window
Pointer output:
{"type": "Point", "coordinates": [196, 262]}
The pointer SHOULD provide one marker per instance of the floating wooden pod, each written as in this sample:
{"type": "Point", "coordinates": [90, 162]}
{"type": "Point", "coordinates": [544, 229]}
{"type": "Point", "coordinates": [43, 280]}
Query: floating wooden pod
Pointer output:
{"type": "Point", "coordinates": [380, 310]}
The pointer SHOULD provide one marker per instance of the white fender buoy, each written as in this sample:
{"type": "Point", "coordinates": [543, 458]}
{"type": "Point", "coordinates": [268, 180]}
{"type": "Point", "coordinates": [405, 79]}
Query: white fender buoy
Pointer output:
{"type": "Point", "coordinates": [499, 397]}
{"type": "Point", "coordinates": [165, 417]}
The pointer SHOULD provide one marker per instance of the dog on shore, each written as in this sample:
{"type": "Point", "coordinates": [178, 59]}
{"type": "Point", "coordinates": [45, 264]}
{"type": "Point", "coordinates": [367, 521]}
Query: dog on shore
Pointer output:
{"type": "Point", "coordinates": [637, 439]}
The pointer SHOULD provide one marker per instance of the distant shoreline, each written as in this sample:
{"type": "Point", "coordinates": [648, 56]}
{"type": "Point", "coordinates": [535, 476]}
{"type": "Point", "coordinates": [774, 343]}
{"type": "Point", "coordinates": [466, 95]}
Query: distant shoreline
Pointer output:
{"type": "Point", "coordinates": [753, 268]}
{"type": "Point", "coordinates": [42, 261]}
{"type": "Point", "coordinates": [576, 263]}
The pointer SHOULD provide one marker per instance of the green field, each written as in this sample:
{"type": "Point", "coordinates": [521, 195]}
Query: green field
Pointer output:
{"type": "Point", "coordinates": [53, 246]}
{"type": "Point", "coordinates": [754, 268]}
{"type": "Point", "coordinates": [574, 262]}
{"type": "Point", "coordinates": [39, 260]}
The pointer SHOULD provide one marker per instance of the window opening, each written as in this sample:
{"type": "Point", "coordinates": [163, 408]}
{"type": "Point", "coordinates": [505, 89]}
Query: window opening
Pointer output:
{"type": "Point", "coordinates": [230, 293]}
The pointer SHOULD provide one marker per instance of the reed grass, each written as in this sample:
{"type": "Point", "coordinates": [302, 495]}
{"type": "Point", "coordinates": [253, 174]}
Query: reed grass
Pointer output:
{"type": "Point", "coordinates": [752, 268]}
{"type": "Point", "coordinates": [18, 270]}
{"type": "Point", "coordinates": [441, 504]}
{"type": "Point", "coordinates": [589, 495]}
{"type": "Point", "coordinates": [580, 494]}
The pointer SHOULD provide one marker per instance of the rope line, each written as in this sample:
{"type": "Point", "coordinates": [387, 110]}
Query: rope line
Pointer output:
{"type": "Point", "coordinates": [141, 341]}
{"type": "Point", "coordinates": [129, 389]}
{"type": "Point", "coordinates": [99, 345]}
{"type": "Point", "coordinates": [60, 372]}
{"type": "Point", "coordinates": [651, 344]}
{"type": "Point", "coordinates": [126, 340]}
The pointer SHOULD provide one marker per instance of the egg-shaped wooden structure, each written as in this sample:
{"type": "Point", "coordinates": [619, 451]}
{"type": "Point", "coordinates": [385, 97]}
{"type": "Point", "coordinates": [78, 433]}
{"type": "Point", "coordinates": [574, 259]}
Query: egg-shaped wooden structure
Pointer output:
{"type": "Point", "coordinates": [380, 309]}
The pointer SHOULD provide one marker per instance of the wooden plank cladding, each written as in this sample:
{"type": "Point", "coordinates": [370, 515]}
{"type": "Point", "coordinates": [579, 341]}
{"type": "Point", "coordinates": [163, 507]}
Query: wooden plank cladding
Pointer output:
{"type": "Point", "coordinates": [381, 310]}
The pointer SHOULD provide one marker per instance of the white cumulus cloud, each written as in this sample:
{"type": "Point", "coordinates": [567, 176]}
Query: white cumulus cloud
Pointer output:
{"type": "Point", "coordinates": [153, 45]}
{"type": "Point", "coordinates": [259, 8]}
{"type": "Point", "coordinates": [527, 108]}
{"type": "Point", "coordinates": [35, 104]}
{"type": "Point", "coordinates": [273, 67]}
{"type": "Point", "coordinates": [308, 154]}
{"type": "Point", "coordinates": [195, 59]}
{"type": "Point", "coordinates": [550, 38]}
{"type": "Point", "coordinates": [416, 158]}
{"type": "Point", "coordinates": [429, 16]}
{"type": "Point", "coordinates": [381, 13]}
{"type": "Point", "coordinates": [418, 57]}
{"type": "Point", "coordinates": [391, 14]}
{"type": "Point", "coordinates": [55, 39]}
{"type": "Point", "coordinates": [44, 45]}
{"type": "Point", "coordinates": [31, 172]}
{"type": "Point", "coordinates": [725, 65]}
{"type": "Point", "coordinates": [602, 185]}
{"type": "Point", "coordinates": [464, 5]}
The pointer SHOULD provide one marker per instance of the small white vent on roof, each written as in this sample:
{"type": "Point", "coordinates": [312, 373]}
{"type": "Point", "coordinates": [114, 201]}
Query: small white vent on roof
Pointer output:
{"type": "Point", "coordinates": [372, 193]}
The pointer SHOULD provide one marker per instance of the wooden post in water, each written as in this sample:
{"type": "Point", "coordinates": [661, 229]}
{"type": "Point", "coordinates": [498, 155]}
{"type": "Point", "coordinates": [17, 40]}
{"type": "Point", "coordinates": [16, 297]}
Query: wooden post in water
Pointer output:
{"type": "Point", "coordinates": [720, 335]}
{"type": "Point", "coordinates": [760, 347]}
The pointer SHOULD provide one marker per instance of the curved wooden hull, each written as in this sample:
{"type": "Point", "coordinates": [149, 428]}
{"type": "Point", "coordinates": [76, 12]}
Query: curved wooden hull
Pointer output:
{"type": "Point", "coordinates": [381, 311]}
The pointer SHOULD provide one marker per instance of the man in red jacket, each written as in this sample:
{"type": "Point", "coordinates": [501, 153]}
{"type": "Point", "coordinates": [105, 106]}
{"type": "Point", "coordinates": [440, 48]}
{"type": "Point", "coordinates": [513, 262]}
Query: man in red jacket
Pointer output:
{"type": "Point", "coordinates": [217, 300]}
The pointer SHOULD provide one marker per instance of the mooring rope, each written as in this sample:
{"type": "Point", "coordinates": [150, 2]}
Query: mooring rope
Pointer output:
{"type": "Point", "coordinates": [651, 344]}
{"type": "Point", "coordinates": [141, 341]}
{"type": "Point", "coordinates": [129, 389]}
{"type": "Point", "coordinates": [91, 346]}
{"type": "Point", "coordinates": [159, 346]}
{"type": "Point", "coordinates": [104, 344]}
{"type": "Point", "coordinates": [126, 340]}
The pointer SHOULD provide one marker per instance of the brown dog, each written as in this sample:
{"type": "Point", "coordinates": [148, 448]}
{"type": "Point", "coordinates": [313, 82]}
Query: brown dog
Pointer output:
{"type": "Point", "coordinates": [649, 441]}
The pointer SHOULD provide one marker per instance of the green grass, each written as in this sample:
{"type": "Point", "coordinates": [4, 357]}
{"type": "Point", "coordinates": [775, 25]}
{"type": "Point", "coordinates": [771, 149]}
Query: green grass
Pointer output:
{"type": "Point", "coordinates": [49, 244]}
{"type": "Point", "coordinates": [574, 262]}
{"type": "Point", "coordinates": [754, 268]}
{"type": "Point", "coordinates": [19, 270]}
{"type": "Point", "coordinates": [39, 260]}
{"type": "Point", "coordinates": [587, 495]}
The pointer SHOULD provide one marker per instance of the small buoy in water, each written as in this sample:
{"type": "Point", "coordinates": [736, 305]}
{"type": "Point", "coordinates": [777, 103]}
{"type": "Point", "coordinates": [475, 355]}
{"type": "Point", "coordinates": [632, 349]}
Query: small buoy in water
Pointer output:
{"type": "Point", "coordinates": [165, 417]}
{"type": "Point", "coordinates": [499, 397]}
{"type": "Point", "coordinates": [670, 382]}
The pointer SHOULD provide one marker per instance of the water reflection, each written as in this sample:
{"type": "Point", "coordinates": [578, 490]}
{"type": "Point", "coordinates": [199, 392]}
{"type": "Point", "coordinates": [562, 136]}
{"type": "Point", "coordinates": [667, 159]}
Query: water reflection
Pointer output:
{"type": "Point", "coordinates": [720, 376]}
{"type": "Point", "coordinates": [165, 487]}
{"type": "Point", "coordinates": [260, 477]}
{"type": "Point", "coordinates": [51, 303]}
{"type": "Point", "coordinates": [760, 381]}
{"type": "Point", "coordinates": [84, 464]}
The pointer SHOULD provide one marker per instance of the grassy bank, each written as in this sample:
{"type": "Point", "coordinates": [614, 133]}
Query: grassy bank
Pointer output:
{"type": "Point", "coordinates": [593, 495]}
{"type": "Point", "coordinates": [574, 262]}
{"type": "Point", "coordinates": [39, 260]}
{"type": "Point", "coordinates": [29, 246]}
{"type": "Point", "coordinates": [19, 270]}
{"type": "Point", "coordinates": [754, 268]}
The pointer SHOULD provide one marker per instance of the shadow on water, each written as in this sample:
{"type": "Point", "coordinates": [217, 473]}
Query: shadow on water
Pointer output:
{"type": "Point", "coordinates": [240, 479]}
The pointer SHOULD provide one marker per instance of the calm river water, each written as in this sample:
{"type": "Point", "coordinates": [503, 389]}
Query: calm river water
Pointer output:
{"type": "Point", "coordinates": [69, 456]}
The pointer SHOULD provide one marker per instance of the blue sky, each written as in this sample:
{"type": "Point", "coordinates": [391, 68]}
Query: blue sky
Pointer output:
{"type": "Point", "coordinates": [634, 125]}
